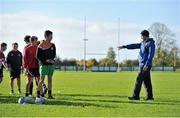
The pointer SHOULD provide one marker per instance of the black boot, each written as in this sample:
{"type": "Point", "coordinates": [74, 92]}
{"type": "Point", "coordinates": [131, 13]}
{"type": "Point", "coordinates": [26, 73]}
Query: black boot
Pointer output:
{"type": "Point", "coordinates": [133, 98]}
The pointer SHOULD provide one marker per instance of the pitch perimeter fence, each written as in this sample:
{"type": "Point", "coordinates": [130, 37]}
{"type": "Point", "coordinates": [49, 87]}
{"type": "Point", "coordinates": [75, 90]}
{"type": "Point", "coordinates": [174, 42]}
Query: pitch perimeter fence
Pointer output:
{"type": "Point", "coordinates": [115, 69]}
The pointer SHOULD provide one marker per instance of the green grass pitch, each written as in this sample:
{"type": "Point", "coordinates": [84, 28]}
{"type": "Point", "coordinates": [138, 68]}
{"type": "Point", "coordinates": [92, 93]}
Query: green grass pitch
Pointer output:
{"type": "Point", "coordinates": [97, 94]}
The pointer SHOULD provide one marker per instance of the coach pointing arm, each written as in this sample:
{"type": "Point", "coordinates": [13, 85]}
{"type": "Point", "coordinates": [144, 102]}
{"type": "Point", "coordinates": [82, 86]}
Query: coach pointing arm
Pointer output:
{"type": "Point", "coordinates": [131, 46]}
{"type": "Point", "coordinates": [146, 53]}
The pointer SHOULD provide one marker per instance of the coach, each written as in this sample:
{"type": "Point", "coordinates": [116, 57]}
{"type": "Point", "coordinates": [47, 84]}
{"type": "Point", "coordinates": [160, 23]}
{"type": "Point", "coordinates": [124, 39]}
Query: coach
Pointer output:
{"type": "Point", "coordinates": [146, 54]}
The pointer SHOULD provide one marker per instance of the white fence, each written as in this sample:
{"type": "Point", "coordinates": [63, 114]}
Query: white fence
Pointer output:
{"type": "Point", "coordinates": [113, 68]}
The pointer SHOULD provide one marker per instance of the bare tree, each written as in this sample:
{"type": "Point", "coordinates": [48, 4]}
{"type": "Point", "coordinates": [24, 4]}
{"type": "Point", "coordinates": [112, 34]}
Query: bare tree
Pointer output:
{"type": "Point", "coordinates": [165, 43]}
{"type": "Point", "coordinates": [165, 39]}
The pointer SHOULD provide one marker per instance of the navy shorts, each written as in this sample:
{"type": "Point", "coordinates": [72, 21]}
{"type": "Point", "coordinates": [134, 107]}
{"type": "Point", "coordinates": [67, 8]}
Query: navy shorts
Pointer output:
{"type": "Point", "coordinates": [15, 73]}
{"type": "Point", "coordinates": [34, 72]}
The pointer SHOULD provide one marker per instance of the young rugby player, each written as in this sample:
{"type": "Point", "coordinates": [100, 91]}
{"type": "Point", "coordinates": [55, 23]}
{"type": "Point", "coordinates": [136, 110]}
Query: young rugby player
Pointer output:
{"type": "Point", "coordinates": [27, 41]}
{"type": "Point", "coordinates": [46, 54]}
{"type": "Point", "coordinates": [31, 64]}
{"type": "Point", "coordinates": [3, 47]}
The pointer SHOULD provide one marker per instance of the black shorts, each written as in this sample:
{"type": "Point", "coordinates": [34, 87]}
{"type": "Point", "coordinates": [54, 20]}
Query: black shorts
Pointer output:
{"type": "Point", "coordinates": [34, 72]}
{"type": "Point", "coordinates": [15, 73]}
{"type": "Point", "coordinates": [1, 72]}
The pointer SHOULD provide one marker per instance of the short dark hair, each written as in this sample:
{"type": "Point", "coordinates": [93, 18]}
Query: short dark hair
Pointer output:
{"type": "Point", "coordinates": [27, 38]}
{"type": "Point", "coordinates": [15, 43]}
{"type": "Point", "coordinates": [145, 33]}
{"type": "Point", "coordinates": [3, 44]}
{"type": "Point", "coordinates": [33, 38]}
{"type": "Point", "coordinates": [47, 33]}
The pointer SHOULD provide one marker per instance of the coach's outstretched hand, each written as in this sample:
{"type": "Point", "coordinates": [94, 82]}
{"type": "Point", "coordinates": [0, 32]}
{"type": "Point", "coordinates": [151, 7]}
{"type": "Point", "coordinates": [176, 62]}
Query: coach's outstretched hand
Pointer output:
{"type": "Point", "coordinates": [120, 47]}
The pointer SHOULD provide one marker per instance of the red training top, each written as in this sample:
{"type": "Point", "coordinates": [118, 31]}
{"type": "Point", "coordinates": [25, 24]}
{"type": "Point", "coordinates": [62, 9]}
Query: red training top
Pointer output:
{"type": "Point", "coordinates": [24, 53]}
{"type": "Point", "coordinates": [29, 57]}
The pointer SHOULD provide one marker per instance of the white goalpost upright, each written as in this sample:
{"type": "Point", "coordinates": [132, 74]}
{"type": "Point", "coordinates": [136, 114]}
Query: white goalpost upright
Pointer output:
{"type": "Point", "coordinates": [98, 54]}
{"type": "Point", "coordinates": [85, 40]}
{"type": "Point", "coordinates": [118, 37]}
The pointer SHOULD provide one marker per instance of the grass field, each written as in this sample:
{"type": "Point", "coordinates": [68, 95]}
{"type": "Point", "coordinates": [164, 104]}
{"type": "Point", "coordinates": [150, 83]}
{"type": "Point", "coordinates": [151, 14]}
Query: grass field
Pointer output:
{"type": "Point", "coordinates": [97, 94]}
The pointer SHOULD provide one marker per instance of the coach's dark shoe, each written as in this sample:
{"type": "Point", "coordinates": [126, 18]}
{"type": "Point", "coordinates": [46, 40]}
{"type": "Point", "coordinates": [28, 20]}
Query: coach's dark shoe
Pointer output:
{"type": "Point", "coordinates": [149, 99]}
{"type": "Point", "coordinates": [133, 98]}
{"type": "Point", "coordinates": [50, 97]}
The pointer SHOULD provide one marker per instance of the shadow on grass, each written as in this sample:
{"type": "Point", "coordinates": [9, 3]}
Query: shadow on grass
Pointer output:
{"type": "Point", "coordinates": [92, 100]}
{"type": "Point", "coordinates": [79, 103]}
{"type": "Point", "coordinates": [72, 97]}
{"type": "Point", "coordinates": [14, 100]}
{"type": "Point", "coordinates": [9, 99]}
{"type": "Point", "coordinates": [87, 95]}
{"type": "Point", "coordinates": [127, 102]}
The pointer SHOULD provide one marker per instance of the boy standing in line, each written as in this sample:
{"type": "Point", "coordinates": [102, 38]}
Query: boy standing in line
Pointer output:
{"type": "Point", "coordinates": [27, 41]}
{"type": "Point", "coordinates": [14, 62]}
{"type": "Point", "coordinates": [46, 54]}
{"type": "Point", "coordinates": [31, 64]}
{"type": "Point", "coordinates": [2, 59]}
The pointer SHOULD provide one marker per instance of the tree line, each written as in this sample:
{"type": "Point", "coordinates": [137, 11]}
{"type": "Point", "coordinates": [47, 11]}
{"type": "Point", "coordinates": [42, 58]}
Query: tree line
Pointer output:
{"type": "Point", "coordinates": [167, 51]}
